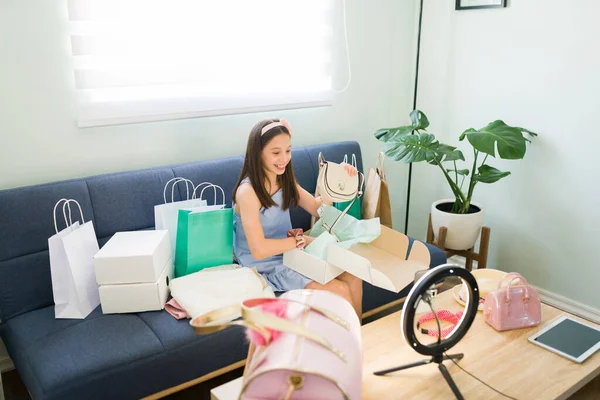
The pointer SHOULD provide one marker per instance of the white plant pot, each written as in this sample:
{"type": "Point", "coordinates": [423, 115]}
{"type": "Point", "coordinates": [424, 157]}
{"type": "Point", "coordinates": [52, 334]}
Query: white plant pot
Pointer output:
{"type": "Point", "coordinates": [463, 229]}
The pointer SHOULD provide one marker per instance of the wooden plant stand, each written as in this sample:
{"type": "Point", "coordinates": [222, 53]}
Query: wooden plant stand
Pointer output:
{"type": "Point", "coordinates": [469, 255]}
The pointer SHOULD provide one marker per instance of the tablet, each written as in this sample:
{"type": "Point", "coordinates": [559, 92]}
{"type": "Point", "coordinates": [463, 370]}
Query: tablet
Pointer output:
{"type": "Point", "coordinates": [569, 338]}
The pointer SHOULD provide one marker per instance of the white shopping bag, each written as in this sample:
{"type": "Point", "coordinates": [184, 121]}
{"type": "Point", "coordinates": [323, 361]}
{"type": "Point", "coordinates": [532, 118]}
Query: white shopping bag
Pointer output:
{"type": "Point", "coordinates": [72, 266]}
{"type": "Point", "coordinates": [165, 215]}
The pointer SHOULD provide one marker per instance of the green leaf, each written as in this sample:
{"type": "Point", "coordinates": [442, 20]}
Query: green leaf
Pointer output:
{"type": "Point", "coordinates": [533, 134]}
{"type": "Point", "coordinates": [392, 150]}
{"type": "Point", "coordinates": [419, 120]}
{"type": "Point", "coordinates": [451, 153]}
{"type": "Point", "coordinates": [447, 153]}
{"type": "Point", "coordinates": [413, 148]}
{"type": "Point", "coordinates": [459, 171]}
{"type": "Point", "coordinates": [384, 134]}
{"type": "Point", "coordinates": [488, 174]}
{"type": "Point", "coordinates": [508, 139]}
{"type": "Point", "coordinates": [464, 134]}
{"type": "Point", "coordinates": [388, 134]}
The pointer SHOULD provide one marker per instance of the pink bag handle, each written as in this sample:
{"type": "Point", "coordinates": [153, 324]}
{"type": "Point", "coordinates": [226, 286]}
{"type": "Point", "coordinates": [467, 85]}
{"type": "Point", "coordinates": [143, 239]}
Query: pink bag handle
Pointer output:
{"type": "Point", "coordinates": [507, 275]}
{"type": "Point", "coordinates": [519, 278]}
{"type": "Point", "coordinates": [525, 285]}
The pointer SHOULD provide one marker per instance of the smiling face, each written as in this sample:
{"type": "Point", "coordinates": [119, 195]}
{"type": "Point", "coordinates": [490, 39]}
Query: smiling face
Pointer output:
{"type": "Point", "coordinates": [276, 154]}
{"type": "Point", "coordinates": [268, 163]}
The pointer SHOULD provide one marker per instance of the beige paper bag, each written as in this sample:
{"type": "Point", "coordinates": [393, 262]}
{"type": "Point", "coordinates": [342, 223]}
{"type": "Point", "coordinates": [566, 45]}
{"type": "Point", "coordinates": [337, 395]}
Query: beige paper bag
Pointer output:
{"type": "Point", "coordinates": [376, 199]}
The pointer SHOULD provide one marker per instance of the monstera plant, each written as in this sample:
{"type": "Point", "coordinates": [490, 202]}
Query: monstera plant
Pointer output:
{"type": "Point", "coordinates": [412, 143]}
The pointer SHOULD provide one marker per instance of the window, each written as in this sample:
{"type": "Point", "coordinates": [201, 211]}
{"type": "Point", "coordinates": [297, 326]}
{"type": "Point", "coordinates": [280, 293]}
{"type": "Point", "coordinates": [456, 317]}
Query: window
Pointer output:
{"type": "Point", "coordinates": [148, 60]}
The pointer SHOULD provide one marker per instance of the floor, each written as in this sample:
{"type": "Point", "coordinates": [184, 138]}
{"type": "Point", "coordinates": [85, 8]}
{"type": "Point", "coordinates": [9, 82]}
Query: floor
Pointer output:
{"type": "Point", "coordinates": [15, 390]}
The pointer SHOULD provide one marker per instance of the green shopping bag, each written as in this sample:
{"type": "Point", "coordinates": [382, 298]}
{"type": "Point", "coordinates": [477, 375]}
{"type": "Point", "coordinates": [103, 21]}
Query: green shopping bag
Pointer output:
{"type": "Point", "coordinates": [354, 210]}
{"type": "Point", "coordinates": [204, 239]}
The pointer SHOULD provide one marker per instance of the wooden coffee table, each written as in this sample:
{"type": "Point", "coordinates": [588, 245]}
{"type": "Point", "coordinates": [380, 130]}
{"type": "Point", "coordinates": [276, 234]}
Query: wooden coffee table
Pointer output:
{"type": "Point", "coordinates": [504, 360]}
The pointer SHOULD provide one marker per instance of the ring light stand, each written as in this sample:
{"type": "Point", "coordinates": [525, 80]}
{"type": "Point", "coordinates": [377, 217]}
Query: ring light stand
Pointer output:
{"type": "Point", "coordinates": [436, 350]}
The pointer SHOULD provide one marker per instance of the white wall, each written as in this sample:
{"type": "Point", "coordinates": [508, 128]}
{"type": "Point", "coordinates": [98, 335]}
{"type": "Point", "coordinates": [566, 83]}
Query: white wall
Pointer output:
{"type": "Point", "coordinates": [39, 141]}
{"type": "Point", "coordinates": [535, 64]}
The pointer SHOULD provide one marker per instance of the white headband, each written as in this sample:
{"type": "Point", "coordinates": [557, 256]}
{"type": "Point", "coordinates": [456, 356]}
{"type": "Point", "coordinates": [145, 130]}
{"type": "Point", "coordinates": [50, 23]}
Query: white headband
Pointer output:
{"type": "Point", "coordinates": [281, 122]}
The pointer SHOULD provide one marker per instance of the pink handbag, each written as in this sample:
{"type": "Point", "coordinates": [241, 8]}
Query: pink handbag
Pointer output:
{"type": "Point", "coordinates": [311, 350]}
{"type": "Point", "coordinates": [512, 306]}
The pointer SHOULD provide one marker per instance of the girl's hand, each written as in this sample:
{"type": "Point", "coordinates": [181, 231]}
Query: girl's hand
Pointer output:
{"type": "Point", "coordinates": [295, 232]}
{"type": "Point", "coordinates": [308, 239]}
{"type": "Point", "coordinates": [352, 171]}
{"type": "Point", "coordinates": [300, 242]}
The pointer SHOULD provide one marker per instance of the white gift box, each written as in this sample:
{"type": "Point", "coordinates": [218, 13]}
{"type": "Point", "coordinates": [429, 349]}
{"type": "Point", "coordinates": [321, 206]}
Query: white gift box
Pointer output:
{"type": "Point", "coordinates": [310, 266]}
{"type": "Point", "coordinates": [133, 257]}
{"type": "Point", "coordinates": [137, 297]}
{"type": "Point", "coordinates": [382, 263]}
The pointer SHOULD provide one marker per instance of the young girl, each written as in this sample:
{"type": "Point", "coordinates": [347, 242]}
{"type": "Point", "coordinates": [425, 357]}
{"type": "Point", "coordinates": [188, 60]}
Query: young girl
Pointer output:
{"type": "Point", "coordinates": [263, 195]}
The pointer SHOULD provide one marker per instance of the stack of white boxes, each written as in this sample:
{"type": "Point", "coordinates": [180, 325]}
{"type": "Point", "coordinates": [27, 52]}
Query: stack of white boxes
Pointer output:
{"type": "Point", "coordinates": [133, 270]}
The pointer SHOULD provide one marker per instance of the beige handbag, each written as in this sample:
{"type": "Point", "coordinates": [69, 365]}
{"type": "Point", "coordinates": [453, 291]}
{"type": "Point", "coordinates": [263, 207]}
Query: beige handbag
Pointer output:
{"type": "Point", "coordinates": [336, 186]}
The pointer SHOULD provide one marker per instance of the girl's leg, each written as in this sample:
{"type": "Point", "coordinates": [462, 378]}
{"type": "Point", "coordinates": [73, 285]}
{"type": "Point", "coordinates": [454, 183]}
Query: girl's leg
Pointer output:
{"type": "Point", "coordinates": [356, 290]}
{"type": "Point", "coordinates": [340, 288]}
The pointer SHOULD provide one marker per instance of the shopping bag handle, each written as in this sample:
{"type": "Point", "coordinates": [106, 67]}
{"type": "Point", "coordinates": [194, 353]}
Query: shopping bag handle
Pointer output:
{"type": "Point", "coordinates": [258, 320]}
{"type": "Point", "coordinates": [175, 181]}
{"type": "Point", "coordinates": [199, 186]}
{"type": "Point", "coordinates": [345, 160]}
{"type": "Point", "coordinates": [68, 222]}
{"type": "Point", "coordinates": [78, 206]}
{"type": "Point", "coordinates": [67, 204]}
{"type": "Point", "coordinates": [379, 165]}
{"type": "Point", "coordinates": [215, 187]}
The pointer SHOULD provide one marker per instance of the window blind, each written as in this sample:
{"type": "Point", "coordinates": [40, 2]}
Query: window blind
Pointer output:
{"type": "Point", "coordinates": [148, 60]}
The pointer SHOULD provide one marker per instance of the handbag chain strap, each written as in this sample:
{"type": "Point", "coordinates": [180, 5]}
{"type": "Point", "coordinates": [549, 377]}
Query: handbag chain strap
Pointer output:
{"type": "Point", "coordinates": [359, 192]}
{"type": "Point", "coordinates": [330, 228]}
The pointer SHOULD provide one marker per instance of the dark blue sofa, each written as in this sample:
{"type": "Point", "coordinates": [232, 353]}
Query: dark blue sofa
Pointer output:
{"type": "Point", "coordinates": [119, 356]}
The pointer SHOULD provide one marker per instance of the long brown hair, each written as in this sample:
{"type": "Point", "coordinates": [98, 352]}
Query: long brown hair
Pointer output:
{"type": "Point", "coordinates": [254, 170]}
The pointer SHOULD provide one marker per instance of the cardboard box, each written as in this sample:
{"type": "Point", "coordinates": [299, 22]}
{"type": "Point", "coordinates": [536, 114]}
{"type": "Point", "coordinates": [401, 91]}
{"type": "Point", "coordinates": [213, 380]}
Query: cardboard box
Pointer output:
{"type": "Point", "coordinates": [382, 263]}
{"type": "Point", "coordinates": [133, 257]}
{"type": "Point", "coordinates": [310, 266]}
{"type": "Point", "coordinates": [137, 297]}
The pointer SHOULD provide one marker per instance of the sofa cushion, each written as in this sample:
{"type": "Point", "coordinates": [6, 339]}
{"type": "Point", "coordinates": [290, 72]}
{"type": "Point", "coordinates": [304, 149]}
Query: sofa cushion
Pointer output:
{"type": "Point", "coordinates": [25, 284]}
{"type": "Point", "coordinates": [171, 332]}
{"type": "Point", "coordinates": [113, 356]}
{"type": "Point", "coordinates": [307, 179]}
{"type": "Point", "coordinates": [125, 201]}
{"type": "Point", "coordinates": [223, 172]}
{"type": "Point", "coordinates": [26, 216]}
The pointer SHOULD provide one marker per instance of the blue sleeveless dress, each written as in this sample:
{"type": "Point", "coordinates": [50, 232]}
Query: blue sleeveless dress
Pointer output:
{"type": "Point", "coordinates": [275, 223]}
